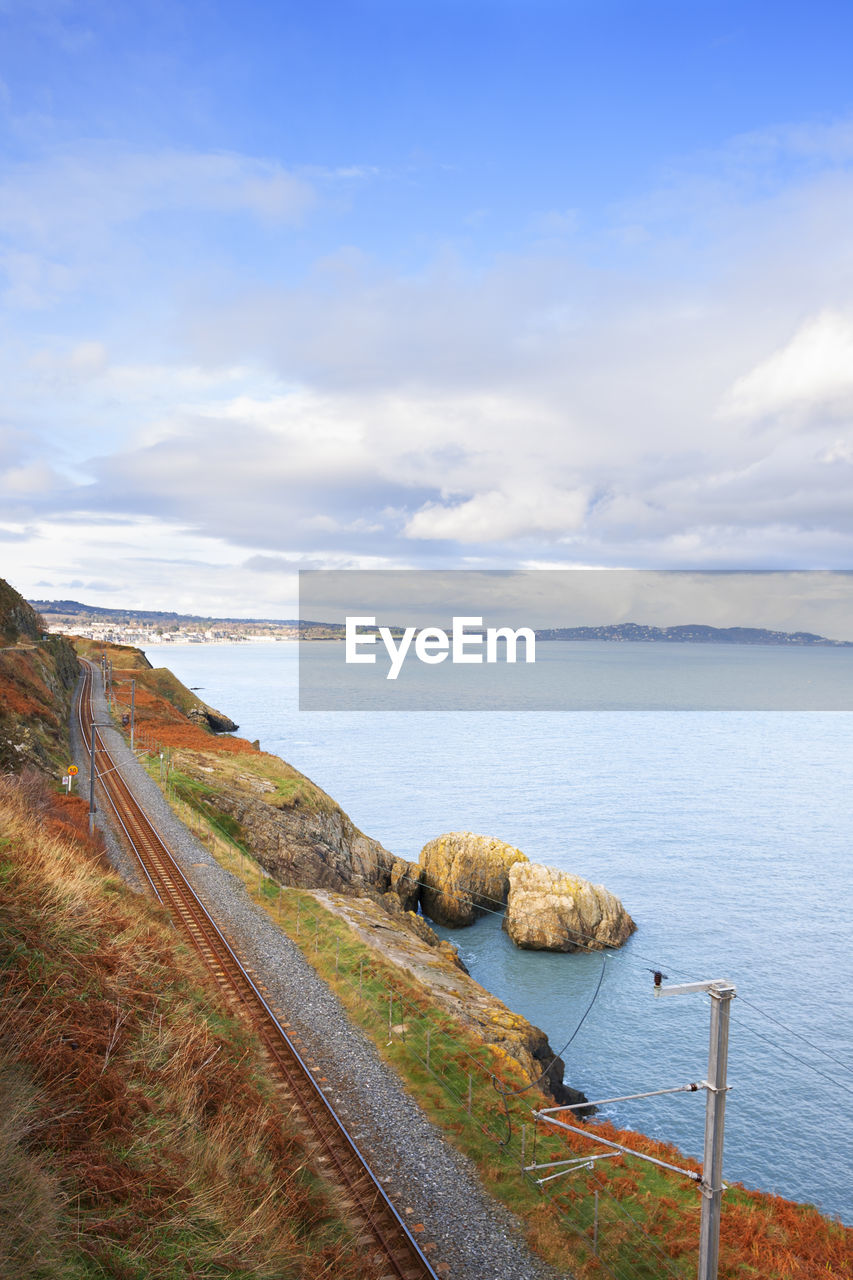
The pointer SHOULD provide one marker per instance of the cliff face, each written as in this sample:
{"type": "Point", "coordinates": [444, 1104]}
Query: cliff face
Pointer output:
{"type": "Point", "coordinates": [463, 874]}
{"type": "Point", "coordinates": [296, 831]}
{"type": "Point", "coordinates": [312, 847]}
{"type": "Point", "coordinates": [37, 677]}
{"type": "Point", "coordinates": [549, 910]}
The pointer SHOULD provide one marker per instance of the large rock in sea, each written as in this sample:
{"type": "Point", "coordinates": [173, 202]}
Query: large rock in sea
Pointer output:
{"type": "Point", "coordinates": [550, 910]}
{"type": "Point", "coordinates": [463, 875]}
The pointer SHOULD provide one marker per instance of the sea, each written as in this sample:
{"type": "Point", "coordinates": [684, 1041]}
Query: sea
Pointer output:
{"type": "Point", "coordinates": [728, 836]}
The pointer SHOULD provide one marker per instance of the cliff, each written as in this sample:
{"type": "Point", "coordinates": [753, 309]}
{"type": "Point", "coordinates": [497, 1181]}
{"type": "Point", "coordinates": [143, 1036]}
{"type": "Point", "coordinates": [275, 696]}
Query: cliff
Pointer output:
{"type": "Point", "coordinates": [446, 984]}
{"type": "Point", "coordinates": [289, 825]}
{"type": "Point", "coordinates": [37, 678]}
{"type": "Point", "coordinates": [303, 839]}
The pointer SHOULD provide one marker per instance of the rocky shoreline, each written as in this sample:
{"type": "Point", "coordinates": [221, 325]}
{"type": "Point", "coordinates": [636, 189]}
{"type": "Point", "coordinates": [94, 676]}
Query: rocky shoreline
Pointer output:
{"type": "Point", "coordinates": [304, 840]}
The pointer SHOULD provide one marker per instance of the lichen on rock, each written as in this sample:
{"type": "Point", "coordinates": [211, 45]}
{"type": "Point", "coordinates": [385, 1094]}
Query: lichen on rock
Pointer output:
{"type": "Point", "coordinates": [463, 875]}
{"type": "Point", "coordinates": [551, 910]}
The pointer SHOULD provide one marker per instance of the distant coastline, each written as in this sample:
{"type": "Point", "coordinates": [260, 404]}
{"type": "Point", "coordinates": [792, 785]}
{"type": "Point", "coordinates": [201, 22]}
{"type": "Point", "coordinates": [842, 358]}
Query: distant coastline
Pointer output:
{"type": "Point", "coordinates": [145, 626]}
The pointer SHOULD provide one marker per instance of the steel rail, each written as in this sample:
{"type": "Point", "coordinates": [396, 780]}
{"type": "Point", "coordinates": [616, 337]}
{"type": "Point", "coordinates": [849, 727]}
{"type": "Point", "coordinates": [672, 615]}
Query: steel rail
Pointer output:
{"type": "Point", "coordinates": [372, 1208]}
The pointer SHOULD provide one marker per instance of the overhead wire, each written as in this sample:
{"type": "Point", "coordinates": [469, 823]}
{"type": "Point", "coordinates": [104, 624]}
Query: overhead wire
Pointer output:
{"type": "Point", "coordinates": [598, 949]}
{"type": "Point", "coordinates": [794, 1056]}
{"type": "Point", "coordinates": [817, 1048]}
{"type": "Point", "coordinates": [513, 1093]}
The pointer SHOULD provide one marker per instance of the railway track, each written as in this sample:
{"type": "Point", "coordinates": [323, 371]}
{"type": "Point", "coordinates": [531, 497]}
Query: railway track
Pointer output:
{"type": "Point", "coordinates": [383, 1235]}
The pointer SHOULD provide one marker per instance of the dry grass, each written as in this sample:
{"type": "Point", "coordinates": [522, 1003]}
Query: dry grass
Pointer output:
{"type": "Point", "coordinates": [141, 1136]}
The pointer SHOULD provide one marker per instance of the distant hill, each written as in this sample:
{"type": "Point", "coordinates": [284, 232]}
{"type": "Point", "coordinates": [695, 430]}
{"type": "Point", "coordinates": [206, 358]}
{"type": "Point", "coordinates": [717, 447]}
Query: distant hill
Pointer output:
{"type": "Point", "coordinates": [50, 609]}
{"type": "Point", "coordinates": [691, 633]}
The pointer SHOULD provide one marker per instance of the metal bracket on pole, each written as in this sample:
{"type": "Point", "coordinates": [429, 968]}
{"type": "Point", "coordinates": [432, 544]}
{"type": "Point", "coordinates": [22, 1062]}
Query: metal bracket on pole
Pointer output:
{"type": "Point", "coordinates": [569, 1165]}
{"type": "Point", "coordinates": [687, 988]}
{"type": "Point", "coordinates": [722, 992]}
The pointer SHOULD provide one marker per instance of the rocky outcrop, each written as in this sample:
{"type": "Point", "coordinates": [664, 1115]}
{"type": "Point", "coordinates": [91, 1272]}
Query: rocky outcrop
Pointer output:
{"type": "Point", "coordinates": [294, 830]}
{"type": "Point", "coordinates": [463, 875]}
{"type": "Point", "coordinates": [208, 718]}
{"type": "Point", "coordinates": [435, 966]}
{"type": "Point", "coordinates": [312, 848]}
{"type": "Point", "coordinates": [406, 883]}
{"type": "Point", "coordinates": [550, 910]}
{"type": "Point", "coordinates": [37, 677]}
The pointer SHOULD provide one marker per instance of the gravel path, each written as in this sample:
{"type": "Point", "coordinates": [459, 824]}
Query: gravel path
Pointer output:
{"type": "Point", "coordinates": [428, 1181]}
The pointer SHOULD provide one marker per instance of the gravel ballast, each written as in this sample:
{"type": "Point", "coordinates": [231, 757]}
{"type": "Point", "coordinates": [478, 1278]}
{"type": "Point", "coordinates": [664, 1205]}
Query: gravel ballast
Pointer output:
{"type": "Point", "coordinates": [428, 1180]}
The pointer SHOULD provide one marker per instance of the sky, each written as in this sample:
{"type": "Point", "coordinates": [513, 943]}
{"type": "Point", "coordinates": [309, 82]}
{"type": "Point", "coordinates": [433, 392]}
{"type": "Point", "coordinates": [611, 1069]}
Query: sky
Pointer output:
{"type": "Point", "coordinates": [445, 284]}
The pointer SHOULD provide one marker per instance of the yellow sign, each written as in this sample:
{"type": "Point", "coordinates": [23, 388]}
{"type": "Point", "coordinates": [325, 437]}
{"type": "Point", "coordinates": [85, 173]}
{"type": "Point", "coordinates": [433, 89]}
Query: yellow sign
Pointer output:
{"type": "Point", "coordinates": [72, 769]}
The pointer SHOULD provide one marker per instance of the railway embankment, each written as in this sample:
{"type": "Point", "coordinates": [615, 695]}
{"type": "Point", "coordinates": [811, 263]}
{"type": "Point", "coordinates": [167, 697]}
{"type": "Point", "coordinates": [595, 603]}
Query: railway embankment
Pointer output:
{"type": "Point", "coordinates": [249, 801]}
{"type": "Point", "coordinates": [141, 1133]}
{"type": "Point", "coordinates": [430, 1182]}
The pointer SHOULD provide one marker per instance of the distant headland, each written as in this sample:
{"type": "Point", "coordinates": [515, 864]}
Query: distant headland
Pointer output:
{"type": "Point", "coordinates": [692, 633]}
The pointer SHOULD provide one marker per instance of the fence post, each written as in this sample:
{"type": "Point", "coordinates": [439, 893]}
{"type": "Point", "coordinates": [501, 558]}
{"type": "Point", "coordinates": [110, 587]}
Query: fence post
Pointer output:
{"type": "Point", "coordinates": [390, 1014]}
{"type": "Point", "coordinates": [523, 1142]}
{"type": "Point", "coordinates": [360, 972]}
{"type": "Point", "coordinates": [469, 1093]}
{"type": "Point", "coordinates": [337, 952]}
{"type": "Point", "coordinates": [595, 1226]}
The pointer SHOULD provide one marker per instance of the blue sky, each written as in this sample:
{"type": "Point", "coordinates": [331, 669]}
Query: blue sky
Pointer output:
{"type": "Point", "coordinates": [458, 283]}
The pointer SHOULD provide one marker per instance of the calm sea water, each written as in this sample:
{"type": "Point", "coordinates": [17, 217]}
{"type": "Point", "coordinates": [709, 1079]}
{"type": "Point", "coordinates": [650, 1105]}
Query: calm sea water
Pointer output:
{"type": "Point", "coordinates": [726, 834]}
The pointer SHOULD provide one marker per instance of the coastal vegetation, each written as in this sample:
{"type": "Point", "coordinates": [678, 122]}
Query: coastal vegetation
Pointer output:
{"type": "Point", "coordinates": [620, 1215]}
{"type": "Point", "coordinates": [141, 1135]}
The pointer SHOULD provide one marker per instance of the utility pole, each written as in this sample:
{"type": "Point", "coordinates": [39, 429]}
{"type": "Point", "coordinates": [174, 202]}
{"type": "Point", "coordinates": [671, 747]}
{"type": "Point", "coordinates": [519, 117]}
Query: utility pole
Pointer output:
{"type": "Point", "coordinates": [710, 1181]}
{"type": "Point", "coordinates": [92, 779]}
{"type": "Point", "coordinates": [132, 710]}
{"type": "Point", "coordinates": [722, 993]}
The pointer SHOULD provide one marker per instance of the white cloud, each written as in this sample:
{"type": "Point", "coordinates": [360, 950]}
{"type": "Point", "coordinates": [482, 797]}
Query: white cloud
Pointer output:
{"type": "Point", "coordinates": [838, 451]}
{"type": "Point", "coordinates": [33, 281]}
{"type": "Point", "coordinates": [63, 197]}
{"type": "Point", "coordinates": [501, 516]}
{"type": "Point", "coordinates": [812, 372]}
{"type": "Point", "coordinates": [680, 400]}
